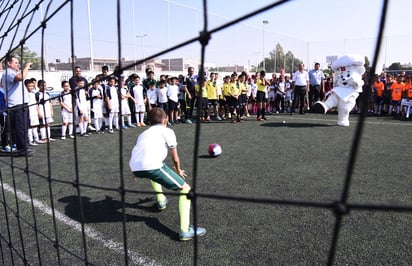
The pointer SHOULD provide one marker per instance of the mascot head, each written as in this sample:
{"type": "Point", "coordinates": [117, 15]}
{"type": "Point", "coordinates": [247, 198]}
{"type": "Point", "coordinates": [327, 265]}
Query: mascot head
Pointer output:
{"type": "Point", "coordinates": [348, 71]}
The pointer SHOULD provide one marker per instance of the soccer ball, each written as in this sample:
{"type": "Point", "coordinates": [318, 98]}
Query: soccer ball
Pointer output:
{"type": "Point", "coordinates": [214, 149]}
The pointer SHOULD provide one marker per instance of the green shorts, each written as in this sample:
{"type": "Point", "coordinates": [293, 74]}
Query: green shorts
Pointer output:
{"type": "Point", "coordinates": [164, 176]}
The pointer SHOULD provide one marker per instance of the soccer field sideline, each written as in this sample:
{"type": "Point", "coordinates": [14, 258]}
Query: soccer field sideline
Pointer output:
{"type": "Point", "coordinates": [91, 233]}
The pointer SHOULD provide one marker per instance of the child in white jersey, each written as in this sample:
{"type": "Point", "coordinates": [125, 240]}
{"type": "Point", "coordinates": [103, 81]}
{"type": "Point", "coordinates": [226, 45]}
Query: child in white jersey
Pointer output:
{"type": "Point", "coordinates": [33, 114]}
{"type": "Point", "coordinates": [173, 100]}
{"type": "Point", "coordinates": [45, 111]}
{"type": "Point", "coordinates": [82, 107]}
{"type": "Point", "coordinates": [151, 96]}
{"type": "Point", "coordinates": [66, 104]}
{"type": "Point", "coordinates": [97, 100]}
{"type": "Point", "coordinates": [112, 100]}
{"type": "Point", "coordinates": [147, 161]}
{"type": "Point", "coordinates": [140, 101]}
{"type": "Point", "coordinates": [125, 95]}
{"type": "Point", "coordinates": [162, 101]}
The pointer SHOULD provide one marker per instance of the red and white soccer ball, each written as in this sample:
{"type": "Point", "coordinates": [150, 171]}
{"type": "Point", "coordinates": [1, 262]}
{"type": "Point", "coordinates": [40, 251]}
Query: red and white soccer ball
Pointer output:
{"type": "Point", "coordinates": [214, 149]}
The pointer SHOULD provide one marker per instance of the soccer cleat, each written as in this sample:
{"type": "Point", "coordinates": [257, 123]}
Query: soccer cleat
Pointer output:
{"type": "Point", "coordinates": [111, 131]}
{"type": "Point", "coordinates": [8, 149]}
{"type": "Point", "coordinates": [131, 125]}
{"type": "Point", "coordinates": [161, 205]}
{"type": "Point", "coordinates": [188, 121]}
{"type": "Point", "coordinates": [183, 236]}
{"type": "Point", "coordinates": [63, 137]}
{"type": "Point", "coordinates": [71, 136]}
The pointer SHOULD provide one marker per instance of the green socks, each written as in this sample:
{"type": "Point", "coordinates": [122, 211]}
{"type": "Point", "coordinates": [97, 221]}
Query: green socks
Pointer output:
{"type": "Point", "coordinates": [158, 188]}
{"type": "Point", "coordinates": [184, 210]}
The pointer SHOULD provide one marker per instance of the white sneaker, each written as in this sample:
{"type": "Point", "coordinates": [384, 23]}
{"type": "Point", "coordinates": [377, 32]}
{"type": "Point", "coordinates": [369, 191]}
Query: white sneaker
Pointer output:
{"type": "Point", "coordinates": [64, 137]}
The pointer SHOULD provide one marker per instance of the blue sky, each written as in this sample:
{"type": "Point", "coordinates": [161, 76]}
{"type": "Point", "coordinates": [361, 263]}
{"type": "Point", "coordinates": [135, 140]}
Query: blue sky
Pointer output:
{"type": "Point", "coordinates": [312, 29]}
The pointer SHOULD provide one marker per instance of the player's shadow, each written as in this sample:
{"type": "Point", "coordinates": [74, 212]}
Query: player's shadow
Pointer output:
{"type": "Point", "coordinates": [295, 125]}
{"type": "Point", "coordinates": [109, 210]}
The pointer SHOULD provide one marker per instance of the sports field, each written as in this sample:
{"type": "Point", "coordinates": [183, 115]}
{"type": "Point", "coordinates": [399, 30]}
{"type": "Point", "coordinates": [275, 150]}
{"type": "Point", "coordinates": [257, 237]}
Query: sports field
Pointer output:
{"type": "Point", "coordinates": [295, 168]}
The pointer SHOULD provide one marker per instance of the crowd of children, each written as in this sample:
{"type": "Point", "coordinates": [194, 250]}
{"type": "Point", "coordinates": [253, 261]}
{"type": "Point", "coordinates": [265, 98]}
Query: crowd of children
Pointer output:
{"type": "Point", "coordinates": [234, 98]}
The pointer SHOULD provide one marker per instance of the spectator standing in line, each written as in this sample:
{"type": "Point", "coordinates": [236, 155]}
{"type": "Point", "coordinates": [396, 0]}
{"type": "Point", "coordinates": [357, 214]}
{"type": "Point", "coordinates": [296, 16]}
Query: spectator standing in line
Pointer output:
{"type": "Point", "coordinates": [112, 102]}
{"type": "Point", "coordinates": [34, 111]}
{"type": "Point", "coordinates": [45, 111]}
{"type": "Point", "coordinates": [300, 87]}
{"type": "Point", "coordinates": [77, 75]}
{"type": "Point", "coordinates": [96, 96]}
{"type": "Point", "coordinates": [190, 82]}
{"type": "Point", "coordinates": [316, 84]}
{"type": "Point", "coordinates": [261, 85]}
{"type": "Point", "coordinates": [66, 104]}
{"type": "Point", "coordinates": [17, 101]}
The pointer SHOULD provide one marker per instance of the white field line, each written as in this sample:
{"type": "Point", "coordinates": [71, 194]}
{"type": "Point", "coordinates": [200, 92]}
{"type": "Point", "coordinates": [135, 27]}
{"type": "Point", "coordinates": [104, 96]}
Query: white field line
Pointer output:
{"type": "Point", "coordinates": [117, 247]}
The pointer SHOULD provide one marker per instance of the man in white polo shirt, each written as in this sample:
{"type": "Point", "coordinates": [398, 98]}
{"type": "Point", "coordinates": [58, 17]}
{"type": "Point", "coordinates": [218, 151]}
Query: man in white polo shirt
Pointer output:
{"type": "Point", "coordinates": [300, 87]}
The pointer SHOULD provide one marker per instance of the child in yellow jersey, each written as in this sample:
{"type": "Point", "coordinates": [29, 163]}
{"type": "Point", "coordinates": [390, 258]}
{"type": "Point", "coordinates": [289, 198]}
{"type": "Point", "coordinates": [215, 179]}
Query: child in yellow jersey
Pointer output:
{"type": "Point", "coordinates": [202, 92]}
{"type": "Point", "coordinates": [212, 96]}
{"type": "Point", "coordinates": [242, 96]}
{"type": "Point", "coordinates": [233, 99]}
{"type": "Point", "coordinates": [225, 95]}
{"type": "Point", "coordinates": [261, 83]}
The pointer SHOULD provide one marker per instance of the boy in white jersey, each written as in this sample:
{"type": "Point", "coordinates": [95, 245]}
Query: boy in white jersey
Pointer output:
{"type": "Point", "coordinates": [66, 104]}
{"type": "Point", "coordinates": [151, 96]}
{"type": "Point", "coordinates": [46, 111]}
{"type": "Point", "coordinates": [82, 106]}
{"type": "Point", "coordinates": [33, 114]}
{"type": "Point", "coordinates": [125, 95]}
{"type": "Point", "coordinates": [147, 161]}
{"type": "Point", "coordinates": [97, 101]}
{"type": "Point", "coordinates": [140, 101]}
{"type": "Point", "coordinates": [162, 100]}
{"type": "Point", "coordinates": [173, 100]}
{"type": "Point", "coordinates": [112, 100]}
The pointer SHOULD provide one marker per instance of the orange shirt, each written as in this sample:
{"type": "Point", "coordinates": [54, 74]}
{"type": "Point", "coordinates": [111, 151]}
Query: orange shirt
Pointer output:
{"type": "Point", "coordinates": [408, 89]}
{"type": "Point", "coordinates": [379, 88]}
{"type": "Point", "coordinates": [397, 91]}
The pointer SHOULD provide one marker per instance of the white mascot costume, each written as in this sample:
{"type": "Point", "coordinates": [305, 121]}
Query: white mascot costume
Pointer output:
{"type": "Point", "coordinates": [347, 85]}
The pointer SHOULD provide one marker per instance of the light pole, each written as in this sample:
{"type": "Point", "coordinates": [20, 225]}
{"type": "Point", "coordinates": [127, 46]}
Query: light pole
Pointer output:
{"type": "Point", "coordinates": [142, 37]}
{"type": "Point", "coordinates": [263, 43]}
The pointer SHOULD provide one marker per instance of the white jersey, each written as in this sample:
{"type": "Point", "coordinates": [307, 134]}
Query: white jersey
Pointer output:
{"type": "Point", "coordinates": [33, 111]}
{"type": "Point", "coordinates": [151, 148]}
{"type": "Point", "coordinates": [44, 109]}
{"type": "Point", "coordinates": [97, 103]}
{"type": "Point", "coordinates": [81, 101]}
{"type": "Point", "coordinates": [162, 95]}
{"type": "Point", "coordinates": [125, 101]}
{"type": "Point", "coordinates": [152, 96]}
{"type": "Point", "coordinates": [173, 93]}
{"type": "Point", "coordinates": [281, 88]}
{"type": "Point", "coordinates": [32, 105]}
{"type": "Point", "coordinates": [113, 99]}
{"type": "Point", "coordinates": [138, 94]}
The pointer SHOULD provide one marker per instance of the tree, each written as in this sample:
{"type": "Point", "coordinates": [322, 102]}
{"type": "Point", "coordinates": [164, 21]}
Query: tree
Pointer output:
{"type": "Point", "coordinates": [278, 60]}
{"type": "Point", "coordinates": [28, 56]}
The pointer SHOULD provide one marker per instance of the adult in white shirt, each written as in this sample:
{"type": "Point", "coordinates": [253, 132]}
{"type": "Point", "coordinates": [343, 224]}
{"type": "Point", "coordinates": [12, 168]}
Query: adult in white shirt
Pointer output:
{"type": "Point", "coordinates": [300, 87]}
